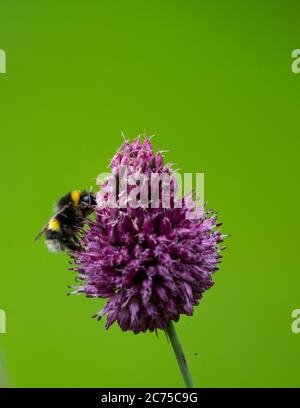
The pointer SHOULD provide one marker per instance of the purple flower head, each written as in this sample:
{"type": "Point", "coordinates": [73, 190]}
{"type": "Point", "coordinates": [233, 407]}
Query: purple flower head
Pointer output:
{"type": "Point", "coordinates": [151, 264]}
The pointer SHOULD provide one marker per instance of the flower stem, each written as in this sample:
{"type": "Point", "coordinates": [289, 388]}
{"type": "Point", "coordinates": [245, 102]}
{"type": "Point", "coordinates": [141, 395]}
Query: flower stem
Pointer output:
{"type": "Point", "coordinates": [181, 360]}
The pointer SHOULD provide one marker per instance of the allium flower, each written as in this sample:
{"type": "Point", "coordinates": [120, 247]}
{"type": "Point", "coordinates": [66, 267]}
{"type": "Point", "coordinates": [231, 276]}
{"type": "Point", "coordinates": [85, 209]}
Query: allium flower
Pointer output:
{"type": "Point", "coordinates": [151, 264]}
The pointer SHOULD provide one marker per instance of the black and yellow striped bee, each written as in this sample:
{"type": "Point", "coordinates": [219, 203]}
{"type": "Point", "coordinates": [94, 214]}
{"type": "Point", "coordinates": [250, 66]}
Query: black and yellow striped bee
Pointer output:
{"type": "Point", "coordinates": [71, 212]}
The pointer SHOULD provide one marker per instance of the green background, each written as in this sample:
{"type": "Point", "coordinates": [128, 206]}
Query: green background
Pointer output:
{"type": "Point", "coordinates": [213, 82]}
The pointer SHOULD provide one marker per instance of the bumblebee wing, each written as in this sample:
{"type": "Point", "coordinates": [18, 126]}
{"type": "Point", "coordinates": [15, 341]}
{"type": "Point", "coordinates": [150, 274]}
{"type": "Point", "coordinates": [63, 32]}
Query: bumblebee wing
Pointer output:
{"type": "Point", "coordinates": [62, 209]}
{"type": "Point", "coordinates": [41, 232]}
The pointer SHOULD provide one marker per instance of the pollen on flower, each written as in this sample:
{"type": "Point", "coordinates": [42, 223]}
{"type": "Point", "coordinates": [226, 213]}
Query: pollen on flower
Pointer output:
{"type": "Point", "coordinates": [151, 264]}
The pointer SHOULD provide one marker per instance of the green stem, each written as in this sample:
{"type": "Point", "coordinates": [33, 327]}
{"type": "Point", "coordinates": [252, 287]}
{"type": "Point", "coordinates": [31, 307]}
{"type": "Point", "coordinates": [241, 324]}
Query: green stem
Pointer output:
{"type": "Point", "coordinates": [181, 360]}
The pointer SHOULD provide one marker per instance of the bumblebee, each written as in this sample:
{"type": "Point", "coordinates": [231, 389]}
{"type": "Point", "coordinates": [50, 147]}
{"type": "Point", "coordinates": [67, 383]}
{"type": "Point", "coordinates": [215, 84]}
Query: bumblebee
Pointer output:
{"type": "Point", "coordinates": [71, 212]}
